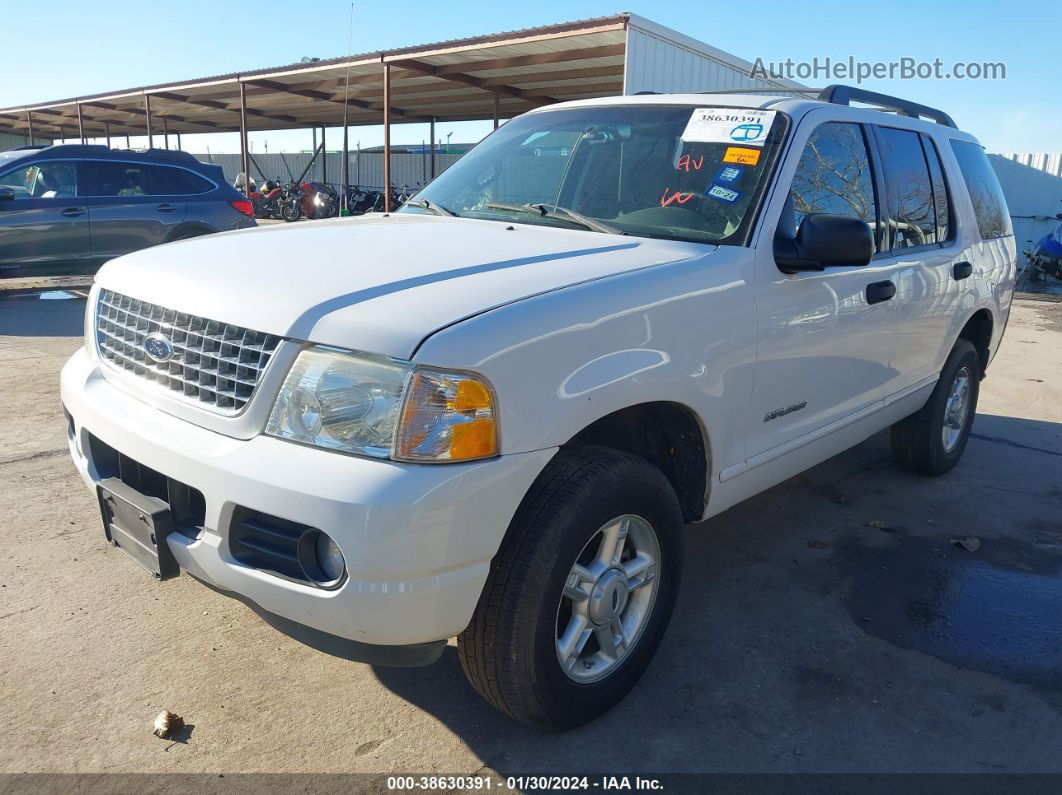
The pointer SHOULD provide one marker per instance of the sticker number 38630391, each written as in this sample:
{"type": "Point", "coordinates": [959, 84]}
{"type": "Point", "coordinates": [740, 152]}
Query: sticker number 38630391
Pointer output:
{"type": "Point", "coordinates": [744, 126]}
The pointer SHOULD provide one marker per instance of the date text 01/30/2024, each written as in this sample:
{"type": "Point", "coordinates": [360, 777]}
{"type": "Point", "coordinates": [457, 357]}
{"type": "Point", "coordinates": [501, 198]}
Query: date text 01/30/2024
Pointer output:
{"type": "Point", "coordinates": [523, 783]}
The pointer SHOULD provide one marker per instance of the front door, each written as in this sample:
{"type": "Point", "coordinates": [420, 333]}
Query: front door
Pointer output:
{"type": "Point", "coordinates": [44, 220]}
{"type": "Point", "coordinates": [825, 342]}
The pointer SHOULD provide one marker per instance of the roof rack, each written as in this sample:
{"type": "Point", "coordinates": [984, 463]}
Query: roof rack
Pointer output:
{"type": "Point", "coordinates": [844, 95]}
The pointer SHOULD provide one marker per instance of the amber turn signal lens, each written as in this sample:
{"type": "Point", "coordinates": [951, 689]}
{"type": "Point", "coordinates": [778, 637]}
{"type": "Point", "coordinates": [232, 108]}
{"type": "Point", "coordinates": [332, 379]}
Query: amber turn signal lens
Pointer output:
{"type": "Point", "coordinates": [473, 440]}
{"type": "Point", "coordinates": [446, 417]}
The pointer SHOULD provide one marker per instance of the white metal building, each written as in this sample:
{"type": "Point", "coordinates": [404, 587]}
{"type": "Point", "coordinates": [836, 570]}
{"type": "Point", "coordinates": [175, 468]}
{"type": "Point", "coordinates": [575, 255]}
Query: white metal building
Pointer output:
{"type": "Point", "coordinates": [1032, 184]}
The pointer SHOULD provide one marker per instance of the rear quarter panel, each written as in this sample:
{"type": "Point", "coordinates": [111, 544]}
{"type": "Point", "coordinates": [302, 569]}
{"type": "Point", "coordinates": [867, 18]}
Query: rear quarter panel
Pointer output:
{"type": "Point", "coordinates": [995, 261]}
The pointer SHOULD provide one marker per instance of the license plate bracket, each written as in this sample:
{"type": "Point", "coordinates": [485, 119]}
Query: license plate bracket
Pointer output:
{"type": "Point", "coordinates": [138, 525]}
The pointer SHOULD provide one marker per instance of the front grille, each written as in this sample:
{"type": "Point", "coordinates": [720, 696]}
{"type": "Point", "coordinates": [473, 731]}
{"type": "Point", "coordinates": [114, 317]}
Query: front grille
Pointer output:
{"type": "Point", "coordinates": [213, 364]}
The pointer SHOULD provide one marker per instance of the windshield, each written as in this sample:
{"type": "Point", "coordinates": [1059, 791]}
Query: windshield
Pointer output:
{"type": "Point", "coordinates": [683, 173]}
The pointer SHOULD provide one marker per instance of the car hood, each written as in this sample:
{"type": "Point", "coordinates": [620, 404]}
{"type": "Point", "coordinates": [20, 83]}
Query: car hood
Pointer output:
{"type": "Point", "coordinates": [377, 283]}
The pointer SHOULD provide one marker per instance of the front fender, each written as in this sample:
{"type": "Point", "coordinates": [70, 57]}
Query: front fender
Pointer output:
{"type": "Point", "coordinates": [682, 332]}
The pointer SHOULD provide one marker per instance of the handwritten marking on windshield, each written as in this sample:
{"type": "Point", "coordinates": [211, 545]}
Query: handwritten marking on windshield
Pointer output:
{"type": "Point", "coordinates": [685, 162]}
{"type": "Point", "coordinates": [678, 196]}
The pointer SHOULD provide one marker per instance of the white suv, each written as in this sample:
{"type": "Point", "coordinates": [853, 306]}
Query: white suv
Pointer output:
{"type": "Point", "coordinates": [489, 415]}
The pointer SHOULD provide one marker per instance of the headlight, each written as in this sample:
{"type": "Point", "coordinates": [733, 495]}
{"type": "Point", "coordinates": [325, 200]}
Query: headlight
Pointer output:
{"type": "Point", "coordinates": [384, 408]}
{"type": "Point", "coordinates": [343, 402]}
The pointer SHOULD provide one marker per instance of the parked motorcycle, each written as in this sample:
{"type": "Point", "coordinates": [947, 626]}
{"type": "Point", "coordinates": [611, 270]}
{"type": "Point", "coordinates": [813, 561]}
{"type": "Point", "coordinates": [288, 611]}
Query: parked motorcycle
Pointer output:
{"type": "Point", "coordinates": [1044, 259]}
{"type": "Point", "coordinates": [313, 200]}
{"type": "Point", "coordinates": [319, 200]}
{"type": "Point", "coordinates": [370, 200]}
{"type": "Point", "coordinates": [290, 202]}
{"type": "Point", "coordinates": [266, 202]}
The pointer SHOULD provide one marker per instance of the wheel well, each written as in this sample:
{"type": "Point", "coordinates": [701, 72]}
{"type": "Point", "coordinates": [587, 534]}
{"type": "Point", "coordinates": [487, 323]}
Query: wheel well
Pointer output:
{"type": "Point", "coordinates": [669, 437]}
{"type": "Point", "coordinates": [185, 231]}
{"type": "Point", "coordinates": [978, 330]}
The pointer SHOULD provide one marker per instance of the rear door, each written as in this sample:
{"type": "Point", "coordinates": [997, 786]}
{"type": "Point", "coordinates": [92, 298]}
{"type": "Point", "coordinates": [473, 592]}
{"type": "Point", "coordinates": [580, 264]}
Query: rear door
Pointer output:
{"type": "Point", "coordinates": [133, 206]}
{"type": "Point", "coordinates": [923, 250]}
{"type": "Point", "coordinates": [44, 226]}
{"type": "Point", "coordinates": [825, 342]}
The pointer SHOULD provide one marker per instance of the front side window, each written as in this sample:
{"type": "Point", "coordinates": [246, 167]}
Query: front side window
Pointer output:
{"type": "Point", "coordinates": [990, 207]}
{"type": "Point", "coordinates": [50, 180]}
{"type": "Point", "coordinates": [833, 176]}
{"type": "Point", "coordinates": [638, 170]}
{"type": "Point", "coordinates": [912, 210]}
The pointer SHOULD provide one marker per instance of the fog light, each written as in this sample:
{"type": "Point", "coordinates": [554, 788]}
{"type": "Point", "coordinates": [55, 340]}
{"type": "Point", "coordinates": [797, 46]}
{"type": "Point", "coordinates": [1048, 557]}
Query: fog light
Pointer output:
{"type": "Point", "coordinates": [329, 557]}
{"type": "Point", "coordinates": [321, 559]}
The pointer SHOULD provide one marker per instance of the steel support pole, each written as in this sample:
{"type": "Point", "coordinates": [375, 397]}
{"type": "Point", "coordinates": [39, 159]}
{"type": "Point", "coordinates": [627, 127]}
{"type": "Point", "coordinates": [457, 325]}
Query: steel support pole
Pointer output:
{"type": "Point", "coordinates": [179, 141]}
{"type": "Point", "coordinates": [147, 120]}
{"type": "Point", "coordinates": [387, 137]}
{"type": "Point", "coordinates": [80, 124]}
{"type": "Point", "coordinates": [431, 139]}
{"type": "Point", "coordinates": [497, 108]}
{"type": "Point", "coordinates": [166, 132]}
{"type": "Point", "coordinates": [243, 140]}
{"type": "Point", "coordinates": [29, 124]}
{"type": "Point", "coordinates": [344, 202]}
{"type": "Point", "coordinates": [107, 132]}
{"type": "Point", "coordinates": [324, 156]}
{"type": "Point", "coordinates": [128, 145]}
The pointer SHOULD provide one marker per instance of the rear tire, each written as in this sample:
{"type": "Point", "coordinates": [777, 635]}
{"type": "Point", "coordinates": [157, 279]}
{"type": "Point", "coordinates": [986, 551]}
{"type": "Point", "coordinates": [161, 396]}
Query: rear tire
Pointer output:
{"type": "Point", "coordinates": [588, 572]}
{"type": "Point", "coordinates": [932, 440]}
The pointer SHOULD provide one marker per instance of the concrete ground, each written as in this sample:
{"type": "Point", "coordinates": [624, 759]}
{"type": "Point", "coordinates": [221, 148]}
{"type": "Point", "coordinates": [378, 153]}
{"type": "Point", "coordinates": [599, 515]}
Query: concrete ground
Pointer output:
{"type": "Point", "coordinates": [827, 625]}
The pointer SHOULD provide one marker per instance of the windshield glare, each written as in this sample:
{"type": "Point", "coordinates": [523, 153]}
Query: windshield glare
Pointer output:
{"type": "Point", "coordinates": [627, 166]}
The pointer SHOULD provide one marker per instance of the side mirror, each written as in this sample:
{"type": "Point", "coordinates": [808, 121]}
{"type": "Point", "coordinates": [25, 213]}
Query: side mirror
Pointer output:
{"type": "Point", "coordinates": [824, 241]}
{"type": "Point", "coordinates": [6, 194]}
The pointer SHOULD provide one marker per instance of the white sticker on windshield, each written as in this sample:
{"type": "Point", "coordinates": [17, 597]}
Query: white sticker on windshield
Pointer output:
{"type": "Point", "coordinates": [744, 126]}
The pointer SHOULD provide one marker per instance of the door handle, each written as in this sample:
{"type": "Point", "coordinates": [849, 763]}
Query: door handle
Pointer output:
{"type": "Point", "coordinates": [72, 212]}
{"type": "Point", "coordinates": [960, 270]}
{"type": "Point", "coordinates": [880, 291]}
{"type": "Point", "coordinates": [165, 208]}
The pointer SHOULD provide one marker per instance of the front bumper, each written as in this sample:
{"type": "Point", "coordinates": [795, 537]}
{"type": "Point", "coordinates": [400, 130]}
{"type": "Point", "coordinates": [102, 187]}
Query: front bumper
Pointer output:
{"type": "Point", "coordinates": [418, 539]}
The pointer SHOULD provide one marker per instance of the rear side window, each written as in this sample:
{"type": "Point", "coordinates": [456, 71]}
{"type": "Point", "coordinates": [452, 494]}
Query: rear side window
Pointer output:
{"type": "Point", "coordinates": [166, 180]}
{"type": "Point", "coordinates": [118, 179]}
{"type": "Point", "coordinates": [941, 197]}
{"type": "Point", "coordinates": [990, 207]}
{"type": "Point", "coordinates": [912, 206]}
{"type": "Point", "coordinates": [834, 177]}
{"type": "Point", "coordinates": [135, 179]}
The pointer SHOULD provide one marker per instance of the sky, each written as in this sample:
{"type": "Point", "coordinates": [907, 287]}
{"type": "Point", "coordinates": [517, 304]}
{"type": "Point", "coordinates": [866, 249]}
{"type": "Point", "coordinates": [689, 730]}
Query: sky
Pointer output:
{"type": "Point", "coordinates": [113, 44]}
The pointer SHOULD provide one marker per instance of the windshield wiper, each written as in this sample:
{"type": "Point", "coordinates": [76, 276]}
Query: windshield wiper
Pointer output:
{"type": "Point", "coordinates": [563, 212]}
{"type": "Point", "coordinates": [432, 207]}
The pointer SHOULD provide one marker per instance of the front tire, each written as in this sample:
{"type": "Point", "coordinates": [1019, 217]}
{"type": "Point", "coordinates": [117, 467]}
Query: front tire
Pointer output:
{"type": "Point", "coordinates": [931, 441]}
{"type": "Point", "coordinates": [291, 210]}
{"type": "Point", "coordinates": [580, 593]}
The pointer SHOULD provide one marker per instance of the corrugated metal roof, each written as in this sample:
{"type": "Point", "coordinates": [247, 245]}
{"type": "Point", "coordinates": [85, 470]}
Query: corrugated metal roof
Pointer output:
{"type": "Point", "coordinates": [448, 80]}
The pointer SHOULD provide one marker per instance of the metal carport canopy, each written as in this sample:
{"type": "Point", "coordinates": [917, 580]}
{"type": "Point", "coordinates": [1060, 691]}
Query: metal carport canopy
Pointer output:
{"type": "Point", "coordinates": [501, 75]}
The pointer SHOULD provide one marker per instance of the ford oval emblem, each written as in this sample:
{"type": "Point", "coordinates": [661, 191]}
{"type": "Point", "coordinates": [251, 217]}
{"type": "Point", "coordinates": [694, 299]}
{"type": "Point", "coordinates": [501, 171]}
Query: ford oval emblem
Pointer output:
{"type": "Point", "coordinates": [158, 348]}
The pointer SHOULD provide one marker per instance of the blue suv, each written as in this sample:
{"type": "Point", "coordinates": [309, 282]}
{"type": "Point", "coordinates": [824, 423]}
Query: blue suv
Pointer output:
{"type": "Point", "coordinates": [70, 208]}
